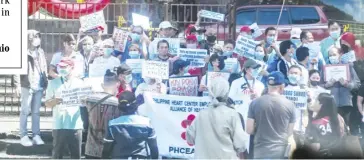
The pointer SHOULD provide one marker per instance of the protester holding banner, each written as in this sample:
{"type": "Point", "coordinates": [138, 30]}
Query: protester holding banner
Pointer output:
{"type": "Point", "coordinates": [130, 135]}
{"type": "Point", "coordinates": [217, 64]}
{"type": "Point", "coordinates": [62, 96]}
{"type": "Point", "coordinates": [102, 107]}
{"type": "Point", "coordinates": [208, 132]}
{"type": "Point", "coordinates": [333, 39]}
{"type": "Point", "coordinates": [271, 119]}
{"type": "Point", "coordinates": [125, 77]}
{"type": "Point", "coordinates": [163, 54]}
{"type": "Point", "coordinates": [69, 43]}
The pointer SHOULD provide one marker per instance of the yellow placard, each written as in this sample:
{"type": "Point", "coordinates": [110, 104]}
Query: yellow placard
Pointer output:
{"type": "Point", "coordinates": [80, 1]}
{"type": "Point", "coordinates": [121, 21]}
{"type": "Point", "coordinates": [346, 27]}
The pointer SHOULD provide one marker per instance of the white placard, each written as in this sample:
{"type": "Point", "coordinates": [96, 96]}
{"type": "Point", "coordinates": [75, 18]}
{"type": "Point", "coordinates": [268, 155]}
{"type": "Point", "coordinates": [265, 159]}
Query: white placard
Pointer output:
{"type": "Point", "coordinates": [92, 21]}
{"type": "Point", "coordinates": [232, 65]}
{"type": "Point", "coordinates": [196, 57]}
{"type": "Point", "coordinates": [337, 72]}
{"type": "Point", "coordinates": [257, 31]}
{"type": "Point", "coordinates": [183, 86]}
{"type": "Point", "coordinates": [120, 38]}
{"type": "Point", "coordinates": [297, 96]}
{"type": "Point", "coordinates": [212, 15]}
{"type": "Point", "coordinates": [245, 47]}
{"type": "Point", "coordinates": [140, 20]}
{"type": "Point", "coordinates": [155, 69]}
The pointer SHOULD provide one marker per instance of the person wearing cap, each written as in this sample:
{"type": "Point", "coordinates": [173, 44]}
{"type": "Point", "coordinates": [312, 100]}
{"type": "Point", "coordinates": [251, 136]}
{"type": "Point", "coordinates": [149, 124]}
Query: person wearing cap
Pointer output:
{"type": "Point", "coordinates": [106, 61]}
{"type": "Point", "coordinates": [179, 68]}
{"type": "Point", "coordinates": [191, 42]}
{"type": "Point", "coordinates": [165, 29]}
{"type": "Point", "coordinates": [248, 85]}
{"type": "Point", "coordinates": [67, 122]}
{"type": "Point", "coordinates": [271, 118]}
{"type": "Point", "coordinates": [295, 36]}
{"type": "Point", "coordinates": [30, 88]}
{"type": "Point", "coordinates": [246, 32]}
{"type": "Point", "coordinates": [217, 132]}
{"type": "Point", "coordinates": [286, 49]}
{"type": "Point", "coordinates": [198, 32]}
{"type": "Point", "coordinates": [333, 39]}
{"type": "Point", "coordinates": [69, 44]}
{"type": "Point", "coordinates": [349, 48]}
{"type": "Point", "coordinates": [175, 30]}
{"type": "Point", "coordinates": [125, 77]}
{"type": "Point", "coordinates": [102, 107]}
{"type": "Point", "coordinates": [130, 136]}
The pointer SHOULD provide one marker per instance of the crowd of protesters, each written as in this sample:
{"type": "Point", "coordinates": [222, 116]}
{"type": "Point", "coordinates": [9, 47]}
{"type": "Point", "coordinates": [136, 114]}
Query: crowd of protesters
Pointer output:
{"type": "Point", "coordinates": [116, 130]}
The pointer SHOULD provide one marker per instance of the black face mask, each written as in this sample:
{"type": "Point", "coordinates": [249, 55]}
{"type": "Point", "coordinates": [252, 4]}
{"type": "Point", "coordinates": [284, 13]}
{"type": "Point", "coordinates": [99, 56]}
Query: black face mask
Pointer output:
{"type": "Point", "coordinates": [315, 83]}
{"type": "Point", "coordinates": [344, 48]}
{"type": "Point", "coordinates": [211, 39]}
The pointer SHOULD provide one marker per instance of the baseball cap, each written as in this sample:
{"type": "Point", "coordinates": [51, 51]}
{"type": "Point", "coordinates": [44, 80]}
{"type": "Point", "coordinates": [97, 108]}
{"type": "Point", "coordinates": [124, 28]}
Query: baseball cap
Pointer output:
{"type": "Point", "coordinates": [123, 69]}
{"type": "Point", "coordinates": [110, 78]}
{"type": "Point", "coordinates": [65, 61]}
{"type": "Point", "coordinates": [191, 38]}
{"type": "Point", "coordinates": [251, 64]}
{"type": "Point", "coordinates": [108, 42]}
{"type": "Point", "coordinates": [126, 99]}
{"type": "Point", "coordinates": [296, 33]}
{"type": "Point", "coordinates": [178, 64]}
{"type": "Point", "coordinates": [165, 24]}
{"type": "Point", "coordinates": [245, 29]}
{"type": "Point", "coordinates": [276, 78]}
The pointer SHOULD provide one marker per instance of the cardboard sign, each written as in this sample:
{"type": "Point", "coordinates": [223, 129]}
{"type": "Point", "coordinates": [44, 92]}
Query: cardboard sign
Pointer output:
{"type": "Point", "coordinates": [257, 31]}
{"type": "Point", "coordinates": [120, 38]}
{"type": "Point", "coordinates": [337, 72]}
{"type": "Point", "coordinates": [232, 65]}
{"type": "Point", "coordinates": [245, 47]}
{"type": "Point", "coordinates": [298, 97]}
{"type": "Point", "coordinates": [196, 57]}
{"type": "Point", "coordinates": [155, 69]}
{"type": "Point", "coordinates": [140, 20]}
{"type": "Point", "coordinates": [212, 75]}
{"type": "Point", "coordinates": [212, 15]}
{"type": "Point", "coordinates": [183, 86]}
{"type": "Point", "coordinates": [136, 66]}
{"type": "Point", "coordinates": [73, 97]}
{"type": "Point", "coordinates": [92, 21]}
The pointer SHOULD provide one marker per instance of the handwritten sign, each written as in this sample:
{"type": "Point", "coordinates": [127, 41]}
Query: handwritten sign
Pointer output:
{"type": "Point", "coordinates": [257, 31]}
{"type": "Point", "coordinates": [337, 72]}
{"type": "Point", "coordinates": [297, 96]}
{"type": "Point", "coordinates": [212, 15]}
{"type": "Point", "coordinates": [212, 75]}
{"type": "Point", "coordinates": [72, 97]}
{"type": "Point", "coordinates": [120, 38]}
{"type": "Point", "coordinates": [155, 69]}
{"type": "Point", "coordinates": [183, 86]}
{"type": "Point", "coordinates": [136, 66]}
{"type": "Point", "coordinates": [245, 47]}
{"type": "Point", "coordinates": [196, 57]}
{"type": "Point", "coordinates": [92, 21]}
{"type": "Point", "coordinates": [140, 20]}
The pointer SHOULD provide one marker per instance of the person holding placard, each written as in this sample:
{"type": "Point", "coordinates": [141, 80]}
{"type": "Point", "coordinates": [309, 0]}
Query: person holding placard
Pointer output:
{"type": "Point", "coordinates": [125, 77]}
{"type": "Point", "coordinates": [163, 54]}
{"type": "Point", "coordinates": [151, 85]}
{"type": "Point", "coordinates": [179, 68]}
{"type": "Point", "coordinates": [106, 61]}
{"type": "Point", "coordinates": [246, 31]}
{"type": "Point", "coordinates": [271, 48]}
{"type": "Point", "coordinates": [218, 64]}
{"type": "Point", "coordinates": [333, 39]}
{"type": "Point", "coordinates": [341, 87]}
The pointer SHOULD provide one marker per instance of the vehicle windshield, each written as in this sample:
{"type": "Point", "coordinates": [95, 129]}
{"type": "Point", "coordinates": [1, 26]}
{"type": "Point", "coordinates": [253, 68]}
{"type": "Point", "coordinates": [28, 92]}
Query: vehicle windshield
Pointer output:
{"type": "Point", "coordinates": [270, 16]}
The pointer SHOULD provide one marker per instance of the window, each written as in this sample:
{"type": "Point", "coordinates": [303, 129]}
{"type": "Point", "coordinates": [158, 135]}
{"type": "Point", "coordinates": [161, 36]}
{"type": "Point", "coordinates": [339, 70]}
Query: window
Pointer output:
{"type": "Point", "coordinates": [310, 15]}
{"type": "Point", "coordinates": [246, 17]}
{"type": "Point", "coordinates": [269, 16]}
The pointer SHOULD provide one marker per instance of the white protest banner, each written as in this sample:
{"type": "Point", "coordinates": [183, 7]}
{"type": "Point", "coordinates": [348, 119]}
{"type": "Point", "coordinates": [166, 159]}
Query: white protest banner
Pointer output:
{"type": "Point", "coordinates": [155, 69]}
{"type": "Point", "coordinates": [170, 115]}
{"type": "Point", "coordinates": [196, 57]}
{"type": "Point", "coordinates": [232, 65]}
{"type": "Point", "coordinates": [212, 15]}
{"type": "Point", "coordinates": [212, 75]}
{"type": "Point", "coordinates": [245, 47]}
{"type": "Point", "coordinates": [120, 38]}
{"type": "Point", "coordinates": [95, 83]}
{"type": "Point", "coordinates": [73, 97]}
{"type": "Point", "coordinates": [136, 67]}
{"type": "Point", "coordinates": [140, 20]}
{"type": "Point", "coordinates": [183, 86]}
{"type": "Point", "coordinates": [257, 31]}
{"type": "Point", "coordinates": [92, 21]}
{"type": "Point", "coordinates": [174, 46]}
{"type": "Point", "coordinates": [336, 72]}
{"type": "Point", "coordinates": [242, 103]}
{"type": "Point", "coordinates": [298, 96]}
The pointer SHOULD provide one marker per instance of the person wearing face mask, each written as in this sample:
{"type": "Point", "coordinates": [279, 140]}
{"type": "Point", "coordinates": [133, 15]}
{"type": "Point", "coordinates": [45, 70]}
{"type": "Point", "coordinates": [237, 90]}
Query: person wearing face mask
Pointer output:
{"type": "Point", "coordinates": [341, 89]}
{"type": "Point", "coordinates": [246, 32]}
{"type": "Point", "coordinates": [270, 47]}
{"type": "Point", "coordinates": [315, 84]}
{"type": "Point", "coordinates": [284, 63]}
{"type": "Point", "coordinates": [228, 49]}
{"type": "Point", "coordinates": [248, 84]}
{"type": "Point", "coordinates": [30, 88]}
{"type": "Point", "coordinates": [151, 85]}
{"type": "Point", "coordinates": [180, 68]}
{"type": "Point", "coordinates": [135, 52]}
{"type": "Point", "coordinates": [271, 118]}
{"type": "Point", "coordinates": [67, 128]}
{"type": "Point", "coordinates": [102, 107]}
{"type": "Point", "coordinates": [125, 77]}
{"type": "Point", "coordinates": [294, 77]}
{"type": "Point", "coordinates": [302, 54]}
{"type": "Point", "coordinates": [349, 49]}
{"type": "Point", "coordinates": [107, 61]}
{"type": "Point", "coordinates": [295, 39]}
{"type": "Point", "coordinates": [332, 39]}
{"type": "Point", "coordinates": [69, 43]}
{"type": "Point", "coordinates": [316, 60]}
{"type": "Point", "coordinates": [210, 40]}
{"type": "Point", "coordinates": [87, 46]}
{"type": "Point", "coordinates": [218, 65]}
{"type": "Point", "coordinates": [191, 42]}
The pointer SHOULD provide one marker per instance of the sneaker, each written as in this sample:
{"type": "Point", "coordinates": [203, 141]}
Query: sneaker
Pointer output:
{"type": "Point", "coordinates": [37, 140]}
{"type": "Point", "coordinates": [26, 142]}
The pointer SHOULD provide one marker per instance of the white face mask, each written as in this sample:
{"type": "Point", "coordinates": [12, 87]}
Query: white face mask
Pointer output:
{"type": "Point", "coordinates": [128, 78]}
{"type": "Point", "coordinates": [36, 42]}
{"type": "Point", "coordinates": [87, 48]}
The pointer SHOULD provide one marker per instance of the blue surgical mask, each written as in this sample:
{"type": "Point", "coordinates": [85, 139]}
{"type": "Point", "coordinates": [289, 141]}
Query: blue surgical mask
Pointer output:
{"type": "Point", "coordinates": [248, 36]}
{"type": "Point", "coordinates": [128, 78]}
{"type": "Point", "coordinates": [255, 73]}
{"type": "Point", "coordinates": [335, 34]}
{"type": "Point", "coordinates": [270, 39]}
{"type": "Point", "coordinates": [134, 55]}
{"type": "Point", "coordinates": [227, 53]}
{"type": "Point", "coordinates": [296, 42]}
{"type": "Point", "coordinates": [259, 56]}
{"type": "Point", "coordinates": [135, 37]}
{"type": "Point", "coordinates": [293, 79]}
{"type": "Point", "coordinates": [200, 38]}
{"type": "Point", "coordinates": [63, 72]}
{"type": "Point", "coordinates": [348, 57]}
{"type": "Point", "coordinates": [108, 51]}
{"type": "Point", "coordinates": [334, 60]}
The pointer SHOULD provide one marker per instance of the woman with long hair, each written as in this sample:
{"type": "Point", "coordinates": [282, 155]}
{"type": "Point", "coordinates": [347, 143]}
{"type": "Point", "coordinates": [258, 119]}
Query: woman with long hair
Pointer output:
{"type": "Point", "coordinates": [325, 127]}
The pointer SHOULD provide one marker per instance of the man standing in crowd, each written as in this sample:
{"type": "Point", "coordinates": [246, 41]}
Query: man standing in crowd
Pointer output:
{"type": "Point", "coordinates": [105, 62]}
{"type": "Point", "coordinates": [67, 123]}
{"type": "Point", "coordinates": [31, 87]}
{"type": "Point", "coordinates": [287, 49]}
{"type": "Point", "coordinates": [271, 48]}
{"type": "Point", "coordinates": [316, 59]}
{"type": "Point", "coordinates": [102, 107]}
{"type": "Point", "coordinates": [271, 119]}
{"type": "Point", "coordinates": [302, 58]}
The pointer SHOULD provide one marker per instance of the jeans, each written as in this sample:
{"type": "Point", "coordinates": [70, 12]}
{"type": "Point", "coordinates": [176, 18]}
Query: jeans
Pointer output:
{"type": "Point", "coordinates": [31, 101]}
{"type": "Point", "coordinates": [67, 137]}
